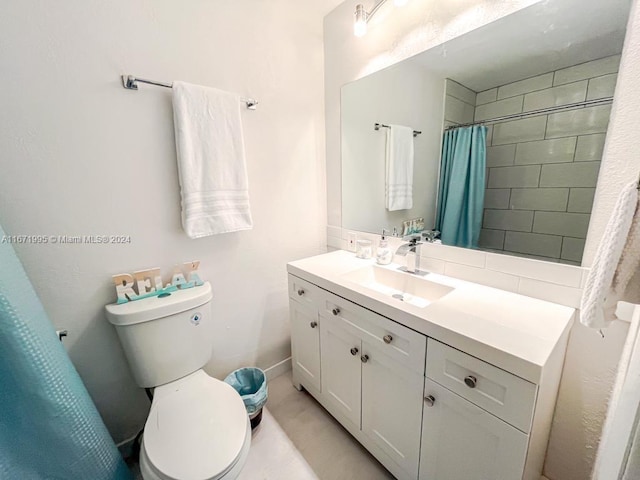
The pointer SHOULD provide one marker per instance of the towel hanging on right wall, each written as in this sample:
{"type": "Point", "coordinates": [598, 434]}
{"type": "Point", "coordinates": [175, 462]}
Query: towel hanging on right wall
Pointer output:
{"type": "Point", "coordinates": [617, 258]}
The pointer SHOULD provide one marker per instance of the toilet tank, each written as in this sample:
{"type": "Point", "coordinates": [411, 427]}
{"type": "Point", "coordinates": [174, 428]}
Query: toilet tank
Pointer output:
{"type": "Point", "coordinates": [165, 337]}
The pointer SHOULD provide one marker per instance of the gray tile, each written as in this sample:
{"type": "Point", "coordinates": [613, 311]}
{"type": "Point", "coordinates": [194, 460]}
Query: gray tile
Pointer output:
{"type": "Point", "coordinates": [558, 223]}
{"type": "Point", "coordinates": [581, 200]}
{"type": "Point", "coordinates": [461, 92]}
{"type": "Point", "coordinates": [602, 87]}
{"type": "Point", "coordinates": [590, 147]}
{"type": "Point", "coordinates": [525, 130]}
{"type": "Point", "coordinates": [572, 249]}
{"type": "Point", "coordinates": [489, 135]}
{"type": "Point", "coordinates": [496, 198]}
{"type": "Point", "coordinates": [457, 111]}
{"type": "Point", "coordinates": [516, 220]}
{"type": "Point", "coordinates": [533, 244]}
{"type": "Point", "coordinates": [577, 174]}
{"type": "Point", "coordinates": [487, 96]}
{"type": "Point", "coordinates": [501, 156]}
{"type": "Point", "coordinates": [587, 70]}
{"type": "Point", "coordinates": [491, 239]}
{"type": "Point", "coordinates": [558, 150]}
{"type": "Point", "coordinates": [579, 122]}
{"type": "Point", "coordinates": [514, 177]}
{"type": "Point", "coordinates": [525, 86]}
{"type": "Point", "coordinates": [549, 199]}
{"type": "Point", "coordinates": [552, 97]}
{"type": "Point", "coordinates": [499, 108]}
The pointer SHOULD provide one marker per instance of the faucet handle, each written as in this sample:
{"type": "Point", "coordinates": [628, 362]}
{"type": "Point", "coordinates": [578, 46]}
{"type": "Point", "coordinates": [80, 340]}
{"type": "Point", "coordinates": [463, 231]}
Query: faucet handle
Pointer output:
{"type": "Point", "coordinates": [430, 235]}
{"type": "Point", "coordinates": [413, 240]}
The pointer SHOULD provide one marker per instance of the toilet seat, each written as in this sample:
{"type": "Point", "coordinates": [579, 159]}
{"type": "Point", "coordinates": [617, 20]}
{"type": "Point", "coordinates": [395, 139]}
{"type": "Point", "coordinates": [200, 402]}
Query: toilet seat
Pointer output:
{"type": "Point", "coordinates": [197, 429]}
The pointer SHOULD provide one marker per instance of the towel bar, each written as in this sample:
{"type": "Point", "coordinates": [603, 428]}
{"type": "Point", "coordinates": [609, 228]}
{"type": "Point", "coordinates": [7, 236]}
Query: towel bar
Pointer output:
{"type": "Point", "coordinates": [131, 83]}
{"type": "Point", "coordinates": [377, 126]}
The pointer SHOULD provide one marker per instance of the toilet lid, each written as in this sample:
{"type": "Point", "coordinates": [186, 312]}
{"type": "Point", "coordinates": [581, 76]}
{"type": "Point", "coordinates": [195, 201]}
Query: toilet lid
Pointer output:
{"type": "Point", "coordinates": [196, 428]}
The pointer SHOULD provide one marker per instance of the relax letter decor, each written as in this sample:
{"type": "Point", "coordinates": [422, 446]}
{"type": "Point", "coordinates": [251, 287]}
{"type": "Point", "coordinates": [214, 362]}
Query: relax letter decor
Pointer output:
{"type": "Point", "coordinates": [148, 283]}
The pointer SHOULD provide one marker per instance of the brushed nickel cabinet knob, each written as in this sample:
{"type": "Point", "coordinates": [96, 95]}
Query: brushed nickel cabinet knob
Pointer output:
{"type": "Point", "coordinates": [364, 358]}
{"type": "Point", "coordinates": [354, 351]}
{"type": "Point", "coordinates": [336, 311]}
{"type": "Point", "coordinates": [430, 400]}
{"type": "Point", "coordinates": [387, 339]}
{"type": "Point", "coordinates": [313, 324]}
{"type": "Point", "coordinates": [300, 292]}
{"type": "Point", "coordinates": [470, 381]}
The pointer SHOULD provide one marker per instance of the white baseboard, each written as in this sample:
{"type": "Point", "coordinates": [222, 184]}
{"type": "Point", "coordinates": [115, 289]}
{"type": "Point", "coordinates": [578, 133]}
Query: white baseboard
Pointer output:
{"type": "Point", "coordinates": [278, 369]}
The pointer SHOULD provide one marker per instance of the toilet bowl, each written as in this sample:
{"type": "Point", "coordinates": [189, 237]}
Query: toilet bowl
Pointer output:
{"type": "Point", "coordinates": [197, 428]}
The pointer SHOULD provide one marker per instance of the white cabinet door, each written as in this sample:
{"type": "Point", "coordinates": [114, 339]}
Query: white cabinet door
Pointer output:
{"type": "Point", "coordinates": [340, 347]}
{"type": "Point", "coordinates": [463, 442]}
{"type": "Point", "coordinates": [305, 343]}
{"type": "Point", "coordinates": [392, 407]}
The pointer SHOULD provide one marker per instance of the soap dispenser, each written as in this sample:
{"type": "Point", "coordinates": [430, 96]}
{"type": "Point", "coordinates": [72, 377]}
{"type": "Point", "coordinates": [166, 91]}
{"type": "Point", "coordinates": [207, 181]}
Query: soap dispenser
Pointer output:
{"type": "Point", "coordinates": [383, 253]}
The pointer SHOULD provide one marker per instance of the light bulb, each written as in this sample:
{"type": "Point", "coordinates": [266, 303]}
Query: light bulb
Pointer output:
{"type": "Point", "coordinates": [360, 21]}
{"type": "Point", "coordinates": [400, 3]}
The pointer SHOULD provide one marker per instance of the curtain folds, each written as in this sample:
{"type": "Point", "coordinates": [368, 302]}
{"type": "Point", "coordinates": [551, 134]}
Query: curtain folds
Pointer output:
{"type": "Point", "coordinates": [462, 185]}
{"type": "Point", "coordinates": [49, 426]}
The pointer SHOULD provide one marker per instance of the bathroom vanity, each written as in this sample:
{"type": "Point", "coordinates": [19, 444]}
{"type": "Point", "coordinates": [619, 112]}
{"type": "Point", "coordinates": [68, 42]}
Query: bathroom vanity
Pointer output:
{"type": "Point", "coordinates": [437, 377]}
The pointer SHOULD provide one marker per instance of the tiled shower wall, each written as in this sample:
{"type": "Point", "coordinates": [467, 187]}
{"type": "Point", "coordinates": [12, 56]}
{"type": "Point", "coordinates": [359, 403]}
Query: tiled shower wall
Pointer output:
{"type": "Point", "coordinates": [541, 171]}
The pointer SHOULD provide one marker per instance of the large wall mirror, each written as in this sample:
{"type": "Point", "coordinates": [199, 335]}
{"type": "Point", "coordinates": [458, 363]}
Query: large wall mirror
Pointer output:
{"type": "Point", "coordinates": [540, 83]}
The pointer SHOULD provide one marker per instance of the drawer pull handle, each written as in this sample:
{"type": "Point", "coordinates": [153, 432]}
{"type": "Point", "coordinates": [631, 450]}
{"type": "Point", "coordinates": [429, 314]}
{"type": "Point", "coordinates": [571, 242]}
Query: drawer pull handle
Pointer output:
{"type": "Point", "coordinates": [300, 292]}
{"type": "Point", "coordinates": [313, 324]}
{"type": "Point", "coordinates": [354, 351]}
{"type": "Point", "coordinates": [336, 311]}
{"type": "Point", "coordinates": [430, 400]}
{"type": "Point", "coordinates": [470, 381]}
{"type": "Point", "coordinates": [364, 358]}
{"type": "Point", "coordinates": [387, 339]}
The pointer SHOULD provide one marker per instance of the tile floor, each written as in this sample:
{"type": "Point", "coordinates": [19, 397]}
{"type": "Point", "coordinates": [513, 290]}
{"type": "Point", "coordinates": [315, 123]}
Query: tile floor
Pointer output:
{"type": "Point", "coordinates": [299, 440]}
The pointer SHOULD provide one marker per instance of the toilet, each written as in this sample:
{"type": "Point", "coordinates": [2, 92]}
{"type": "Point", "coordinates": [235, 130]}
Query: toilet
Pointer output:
{"type": "Point", "coordinates": [198, 428]}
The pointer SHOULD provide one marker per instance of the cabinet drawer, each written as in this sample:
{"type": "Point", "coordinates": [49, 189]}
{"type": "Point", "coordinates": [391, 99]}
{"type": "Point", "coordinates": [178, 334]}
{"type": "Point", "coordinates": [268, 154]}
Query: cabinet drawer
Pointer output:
{"type": "Point", "coordinates": [397, 341]}
{"type": "Point", "coordinates": [506, 396]}
{"type": "Point", "coordinates": [304, 292]}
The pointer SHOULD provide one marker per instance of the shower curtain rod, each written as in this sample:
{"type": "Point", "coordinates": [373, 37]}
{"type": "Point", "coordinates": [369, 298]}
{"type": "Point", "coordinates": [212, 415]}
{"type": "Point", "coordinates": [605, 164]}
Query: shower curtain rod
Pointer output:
{"type": "Point", "coordinates": [535, 113]}
{"type": "Point", "coordinates": [131, 83]}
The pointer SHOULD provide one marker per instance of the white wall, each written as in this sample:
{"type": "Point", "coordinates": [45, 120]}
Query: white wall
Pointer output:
{"type": "Point", "coordinates": [591, 361]}
{"type": "Point", "coordinates": [81, 155]}
{"type": "Point", "coordinates": [397, 34]}
{"type": "Point", "coordinates": [404, 95]}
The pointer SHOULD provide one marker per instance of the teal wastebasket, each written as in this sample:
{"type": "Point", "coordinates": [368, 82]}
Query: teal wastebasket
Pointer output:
{"type": "Point", "coordinates": [251, 384]}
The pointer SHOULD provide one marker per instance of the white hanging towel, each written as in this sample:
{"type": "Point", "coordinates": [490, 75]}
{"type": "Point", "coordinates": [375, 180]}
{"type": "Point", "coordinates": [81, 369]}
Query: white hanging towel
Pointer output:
{"type": "Point", "coordinates": [601, 292]}
{"type": "Point", "coordinates": [399, 168]}
{"type": "Point", "coordinates": [211, 161]}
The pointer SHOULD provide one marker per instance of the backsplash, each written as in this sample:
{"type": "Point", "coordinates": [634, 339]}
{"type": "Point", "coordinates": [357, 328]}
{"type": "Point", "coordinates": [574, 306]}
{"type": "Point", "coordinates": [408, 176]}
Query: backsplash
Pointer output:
{"type": "Point", "coordinates": [553, 282]}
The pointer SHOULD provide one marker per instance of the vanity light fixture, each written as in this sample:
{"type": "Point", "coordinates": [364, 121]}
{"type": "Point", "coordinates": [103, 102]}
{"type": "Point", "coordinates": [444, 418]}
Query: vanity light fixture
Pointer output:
{"type": "Point", "coordinates": [362, 17]}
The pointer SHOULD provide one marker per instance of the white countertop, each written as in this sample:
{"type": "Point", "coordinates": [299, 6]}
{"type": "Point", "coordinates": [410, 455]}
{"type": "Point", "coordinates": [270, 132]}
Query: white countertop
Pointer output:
{"type": "Point", "coordinates": [511, 331]}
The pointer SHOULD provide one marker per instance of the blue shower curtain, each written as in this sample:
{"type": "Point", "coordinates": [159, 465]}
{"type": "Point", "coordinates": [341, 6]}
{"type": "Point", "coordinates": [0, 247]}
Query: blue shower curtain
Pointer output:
{"type": "Point", "coordinates": [462, 184]}
{"type": "Point", "coordinates": [49, 427]}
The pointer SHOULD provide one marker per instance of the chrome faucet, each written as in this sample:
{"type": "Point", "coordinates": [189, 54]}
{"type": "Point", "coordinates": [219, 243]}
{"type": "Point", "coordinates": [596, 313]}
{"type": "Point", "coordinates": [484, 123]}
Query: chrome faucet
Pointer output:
{"type": "Point", "coordinates": [411, 251]}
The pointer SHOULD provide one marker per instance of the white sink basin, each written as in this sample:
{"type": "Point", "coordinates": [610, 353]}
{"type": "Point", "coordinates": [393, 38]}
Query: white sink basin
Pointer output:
{"type": "Point", "coordinates": [401, 286]}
